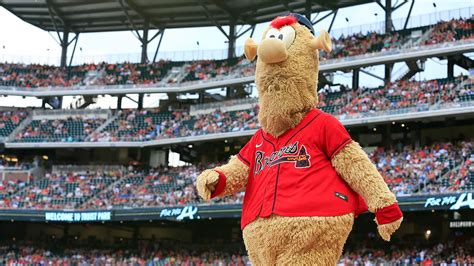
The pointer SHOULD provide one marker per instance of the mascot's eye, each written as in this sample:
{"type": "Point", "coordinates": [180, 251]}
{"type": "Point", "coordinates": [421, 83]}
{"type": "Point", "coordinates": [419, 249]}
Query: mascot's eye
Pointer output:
{"type": "Point", "coordinates": [272, 33]}
{"type": "Point", "coordinates": [289, 35]}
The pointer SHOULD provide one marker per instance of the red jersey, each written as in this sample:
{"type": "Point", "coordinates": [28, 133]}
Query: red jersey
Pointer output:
{"type": "Point", "coordinates": [292, 175]}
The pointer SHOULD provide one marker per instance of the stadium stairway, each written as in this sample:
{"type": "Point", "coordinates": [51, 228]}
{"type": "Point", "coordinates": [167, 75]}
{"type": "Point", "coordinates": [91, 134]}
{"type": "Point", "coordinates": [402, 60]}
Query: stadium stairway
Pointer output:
{"type": "Point", "coordinates": [107, 189]}
{"type": "Point", "coordinates": [19, 128]}
{"type": "Point", "coordinates": [76, 127]}
{"type": "Point", "coordinates": [416, 41]}
{"type": "Point", "coordinates": [174, 74]}
{"type": "Point", "coordinates": [99, 129]}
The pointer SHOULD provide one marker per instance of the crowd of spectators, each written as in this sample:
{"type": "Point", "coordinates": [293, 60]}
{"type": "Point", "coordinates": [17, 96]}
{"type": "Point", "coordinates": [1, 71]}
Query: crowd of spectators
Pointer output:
{"type": "Point", "coordinates": [24, 254]}
{"type": "Point", "coordinates": [437, 168]}
{"type": "Point", "coordinates": [126, 73]}
{"type": "Point", "coordinates": [397, 96]}
{"type": "Point", "coordinates": [360, 44]}
{"type": "Point", "coordinates": [143, 125]}
{"type": "Point", "coordinates": [34, 76]}
{"type": "Point", "coordinates": [457, 252]}
{"type": "Point", "coordinates": [10, 119]}
{"type": "Point", "coordinates": [423, 169]}
{"type": "Point", "coordinates": [450, 31]}
{"type": "Point", "coordinates": [71, 129]}
{"type": "Point", "coordinates": [453, 253]}
{"type": "Point", "coordinates": [156, 187]}
{"type": "Point", "coordinates": [57, 191]}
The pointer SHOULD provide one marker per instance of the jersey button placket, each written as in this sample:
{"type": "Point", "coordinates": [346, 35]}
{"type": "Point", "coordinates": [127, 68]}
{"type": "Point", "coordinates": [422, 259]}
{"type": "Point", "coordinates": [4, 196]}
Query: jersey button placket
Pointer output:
{"type": "Point", "coordinates": [269, 193]}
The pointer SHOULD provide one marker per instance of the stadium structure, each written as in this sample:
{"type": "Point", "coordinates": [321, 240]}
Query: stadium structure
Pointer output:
{"type": "Point", "coordinates": [95, 186]}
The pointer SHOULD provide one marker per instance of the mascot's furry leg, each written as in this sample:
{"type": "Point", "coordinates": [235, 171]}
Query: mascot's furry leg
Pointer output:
{"type": "Point", "coordinates": [297, 240]}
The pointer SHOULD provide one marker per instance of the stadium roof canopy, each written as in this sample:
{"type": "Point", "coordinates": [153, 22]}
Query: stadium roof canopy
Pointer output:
{"type": "Point", "coordinates": [119, 15]}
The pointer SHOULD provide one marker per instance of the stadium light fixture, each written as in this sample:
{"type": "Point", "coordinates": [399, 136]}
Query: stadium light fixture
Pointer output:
{"type": "Point", "coordinates": [375, 129]}
{"type": "Point", "coordinates": [190, 146]}
{"type": "Point", "coordinates": [403, 125]}
{"type": "Point", "coordinates": [427, 234]}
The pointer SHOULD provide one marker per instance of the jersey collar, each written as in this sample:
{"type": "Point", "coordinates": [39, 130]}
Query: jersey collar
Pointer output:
{"type": "Point", "coordinates": [306, 119]}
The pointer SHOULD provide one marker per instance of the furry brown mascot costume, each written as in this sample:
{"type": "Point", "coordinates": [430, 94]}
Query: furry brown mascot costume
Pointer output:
{"type": "Point", "coordinates": [304, 178]}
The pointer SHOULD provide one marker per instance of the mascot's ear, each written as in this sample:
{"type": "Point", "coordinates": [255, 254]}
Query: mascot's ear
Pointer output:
{"type": "Point", "coordinates": [322, 42]}
{"type": "Point", "coordinates": [250, 49]}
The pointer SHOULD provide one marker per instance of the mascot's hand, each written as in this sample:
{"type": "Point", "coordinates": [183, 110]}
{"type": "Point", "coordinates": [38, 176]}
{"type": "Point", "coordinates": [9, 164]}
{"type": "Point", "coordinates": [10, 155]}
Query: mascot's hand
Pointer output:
{"type": "Point", "coordinates": [206, 183]}
{"type": "Point", "coordinates": [388, 220]}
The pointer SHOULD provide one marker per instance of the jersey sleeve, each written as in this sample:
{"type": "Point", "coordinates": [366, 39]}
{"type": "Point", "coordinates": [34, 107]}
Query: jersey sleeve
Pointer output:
{"type": "Point", "coordinates": [246, 154]}
{"type": "Point", "coordinates": [334, 136]}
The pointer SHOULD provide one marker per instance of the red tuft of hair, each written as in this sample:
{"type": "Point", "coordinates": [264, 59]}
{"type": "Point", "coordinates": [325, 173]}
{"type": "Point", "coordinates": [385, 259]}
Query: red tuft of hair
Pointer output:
{"type": "Point", "coordinates": [279, 22]}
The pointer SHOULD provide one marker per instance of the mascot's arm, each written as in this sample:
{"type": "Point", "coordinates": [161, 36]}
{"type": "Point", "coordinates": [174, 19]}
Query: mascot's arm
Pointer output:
{"type": "Point", "coordinates": [355, 167]}
{"type": "Point", "coordinates": [223, 180]}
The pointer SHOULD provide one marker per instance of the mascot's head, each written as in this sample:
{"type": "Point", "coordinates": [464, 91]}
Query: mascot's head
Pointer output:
{"type": "Point", "coordinates": [287, 71]}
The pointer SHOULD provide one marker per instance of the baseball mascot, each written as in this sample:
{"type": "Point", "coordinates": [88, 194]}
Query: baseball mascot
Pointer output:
{"type": "Point", "coordinates": [305, 179]}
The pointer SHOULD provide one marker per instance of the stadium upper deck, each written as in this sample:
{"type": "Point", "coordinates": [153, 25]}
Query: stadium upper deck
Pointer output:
{"type": "Point", "coordinates": [400, 101]}
{"type": "Point", "coordinates": [350, 52]}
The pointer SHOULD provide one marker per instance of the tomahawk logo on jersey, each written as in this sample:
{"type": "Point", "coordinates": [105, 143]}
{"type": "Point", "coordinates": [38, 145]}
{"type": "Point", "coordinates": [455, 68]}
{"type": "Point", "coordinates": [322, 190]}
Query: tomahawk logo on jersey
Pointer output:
{"type": "Point", "coordinates": [290, 175]}
{"type": "Point", "coordinates": [292, 153]}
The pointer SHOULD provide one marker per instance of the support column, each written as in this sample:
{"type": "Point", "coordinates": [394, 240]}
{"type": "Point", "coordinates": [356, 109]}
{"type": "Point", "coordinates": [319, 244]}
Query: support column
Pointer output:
{"type": "Point", "coordinates": [65, 238]}
{"type": "Point", "coordinates": [201, 97]}
{"type": "Point", "coordinates": [450, 68]}
{"type": "Point", "coordinates": [159, 44]}
{"type": "Point", "coordinates": [74, 48]}
{"type": "Point", "coordinates": [307, 9]}
{"type": "Point", "coordinates": [388, 73]}
{"type": "Point", "coordinates": [386, 136]}
{"type": "Point", "coordinates": [415, 134]}
{"type": "Point", "coordinates": [355, 79]}
{"type": "Point", "coordinates": [144, 57]}
{"type": "Point", "coordinates": [135, 233]}
{"type": "Point", "coordinates": [119, 102]}
{"type": "Point", "coordinates": [140, 101]}
{"type": "Point", "coordinates": [232, 38]}
{"type": "Point", "coordinates": [64, 45]}
{"type": "Point", "coordinates": [388, 16]}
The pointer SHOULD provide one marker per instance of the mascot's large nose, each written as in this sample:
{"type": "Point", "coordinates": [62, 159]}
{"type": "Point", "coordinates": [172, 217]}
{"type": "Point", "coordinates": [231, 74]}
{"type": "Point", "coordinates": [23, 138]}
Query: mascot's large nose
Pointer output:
{"type": "Point", "coordinates": [272, 50]}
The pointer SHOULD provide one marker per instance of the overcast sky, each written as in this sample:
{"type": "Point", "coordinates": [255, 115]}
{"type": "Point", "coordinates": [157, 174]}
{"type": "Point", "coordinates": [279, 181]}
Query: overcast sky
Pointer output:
{"type": "Point", "coordinates": [22, 42]}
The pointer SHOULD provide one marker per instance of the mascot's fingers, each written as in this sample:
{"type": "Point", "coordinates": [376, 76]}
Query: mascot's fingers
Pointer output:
{"type": "Point", "coordinates": [206, 183]}
{"type": "Point", "coordinates": [386, 230]}
{"type": "Point", "coordinates": [250, 49]}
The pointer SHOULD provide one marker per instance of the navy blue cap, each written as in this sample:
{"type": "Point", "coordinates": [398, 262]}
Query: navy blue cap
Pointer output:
{"type": "Point", "coordinates": [303, 21]}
